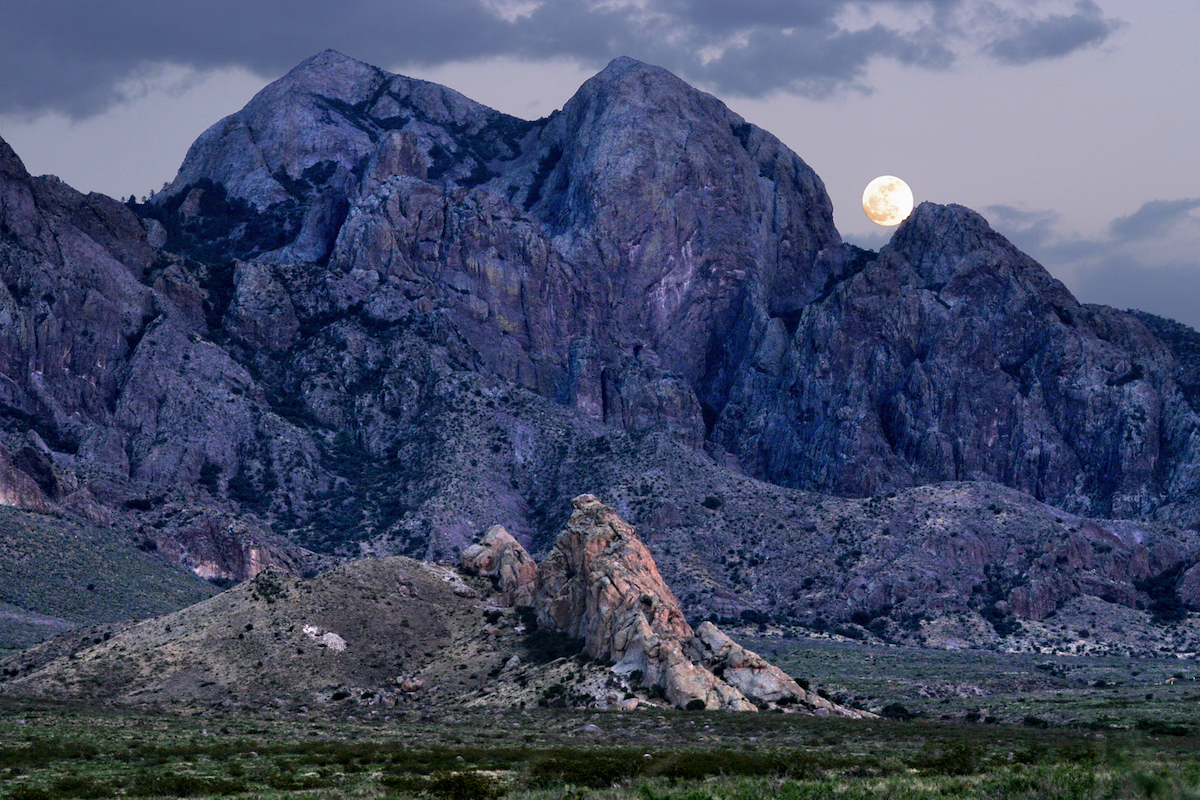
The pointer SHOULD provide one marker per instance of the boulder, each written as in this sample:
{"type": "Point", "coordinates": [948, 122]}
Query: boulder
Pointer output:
{"type": "Point", "coordinates": [497, 555]}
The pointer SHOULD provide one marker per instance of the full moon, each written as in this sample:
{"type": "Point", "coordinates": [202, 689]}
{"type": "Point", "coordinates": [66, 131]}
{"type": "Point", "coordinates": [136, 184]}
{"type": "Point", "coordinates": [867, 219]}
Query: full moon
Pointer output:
{"type": "Point", "coordinates": [888, 200]}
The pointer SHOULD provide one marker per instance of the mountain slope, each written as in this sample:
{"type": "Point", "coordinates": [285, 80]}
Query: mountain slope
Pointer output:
{"type": "Point", "coordinates": [394, 630]}
{"type": "Point", "coordinates": [57, 574]}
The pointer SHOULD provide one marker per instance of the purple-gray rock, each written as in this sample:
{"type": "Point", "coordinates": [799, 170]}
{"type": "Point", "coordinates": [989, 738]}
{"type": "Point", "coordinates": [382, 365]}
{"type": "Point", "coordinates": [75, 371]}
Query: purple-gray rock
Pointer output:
{"type": "Point", "coordinates": [373, 316]}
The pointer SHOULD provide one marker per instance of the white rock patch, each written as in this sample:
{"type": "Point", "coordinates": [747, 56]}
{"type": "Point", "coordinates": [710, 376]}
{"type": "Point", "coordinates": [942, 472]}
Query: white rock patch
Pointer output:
{"type": "Point", "coordinates": [328, 639]}
{"type": "Point", "coordinates": [333, 642]}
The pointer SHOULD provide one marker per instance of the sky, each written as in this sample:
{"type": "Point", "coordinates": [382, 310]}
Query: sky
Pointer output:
{"type": "Point", "coordinates": [1071, 125]}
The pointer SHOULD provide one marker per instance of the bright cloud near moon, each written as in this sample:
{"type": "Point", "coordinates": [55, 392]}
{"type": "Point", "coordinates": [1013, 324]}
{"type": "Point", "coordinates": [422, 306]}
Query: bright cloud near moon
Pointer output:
{"type": "Point", "coordinates": [887, 200]}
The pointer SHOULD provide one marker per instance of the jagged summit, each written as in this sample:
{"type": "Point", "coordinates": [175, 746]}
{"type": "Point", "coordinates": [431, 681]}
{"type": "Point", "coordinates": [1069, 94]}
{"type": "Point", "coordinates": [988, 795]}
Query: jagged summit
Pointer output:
{"type": "Point", "coordinates": [942, 241]}
{"type": "Point", "coordinates": [316, 125]}
{"type": "Point", "coordinates": [11, 165]}
{"type": "Point", "coordinates": [628, 79]}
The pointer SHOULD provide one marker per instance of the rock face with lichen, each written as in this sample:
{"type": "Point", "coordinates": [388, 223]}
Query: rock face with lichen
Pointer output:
{"type": "Point", "coordinates": [497, 555]}
{"type": "Point", "coordinates": [600, 584]}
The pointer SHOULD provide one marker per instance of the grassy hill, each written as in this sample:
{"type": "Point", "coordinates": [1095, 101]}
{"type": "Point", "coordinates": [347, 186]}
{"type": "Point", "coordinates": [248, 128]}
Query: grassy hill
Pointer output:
{"type": "Point", "coordinates": [57, 574]}
{"type": "Point", "coordinates": [375, 631]}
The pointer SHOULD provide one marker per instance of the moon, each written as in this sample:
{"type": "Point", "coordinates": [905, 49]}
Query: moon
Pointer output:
{"type": "Point", "coordinates": [887, 200]}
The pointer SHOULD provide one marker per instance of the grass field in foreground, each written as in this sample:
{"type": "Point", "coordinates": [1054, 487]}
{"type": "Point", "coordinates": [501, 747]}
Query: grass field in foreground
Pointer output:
{"type": "Point", "coordinates": [57, 751]}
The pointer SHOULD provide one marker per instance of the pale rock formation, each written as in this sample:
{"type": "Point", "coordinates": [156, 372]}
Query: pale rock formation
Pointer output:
{"type": "Point", "coordinates": [500, 557]}
{"type": "Point", "coordinates": [600, 584]}
{"type": "Point", "coordinates": [752, 675]}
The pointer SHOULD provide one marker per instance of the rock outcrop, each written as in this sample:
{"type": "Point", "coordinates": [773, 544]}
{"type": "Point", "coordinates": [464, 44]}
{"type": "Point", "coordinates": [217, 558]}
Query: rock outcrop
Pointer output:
{"type": "Point", "coordinates": [500, 557]}
{"type": "Point", "coordinates": [600, 584]}
{"type": "Point", "coordinates": [753, 676]}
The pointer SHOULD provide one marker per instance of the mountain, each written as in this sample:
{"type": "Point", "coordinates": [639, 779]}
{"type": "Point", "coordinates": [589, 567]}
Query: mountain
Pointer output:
{"type": "Point", "coordinates": [373, 317]}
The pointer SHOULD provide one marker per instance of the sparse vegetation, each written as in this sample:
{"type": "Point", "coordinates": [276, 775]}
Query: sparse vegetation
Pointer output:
{"type": "Point", "coordinates": [71, 752]}
{"type": "Point", "coordinates": [47, 564]}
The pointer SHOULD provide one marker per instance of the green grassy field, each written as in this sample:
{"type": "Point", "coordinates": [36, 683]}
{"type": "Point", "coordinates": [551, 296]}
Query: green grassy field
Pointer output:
{"type": "Point", "coordinates": [63, 751]}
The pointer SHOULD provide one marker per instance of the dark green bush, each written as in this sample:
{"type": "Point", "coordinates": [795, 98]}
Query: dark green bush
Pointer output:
{"type": "Point", "coordinates": [896, 711]}
{"type": "Point", "coordinates": [176, 785]}
{"type": "Point", "coordinates": [581, 768]}
{"type": "Point", "coordinates": [28, 793]}
{"type": "Point", "coordinates": [956, 758]}
{"type": "Point", "coordinates": [464, 786]}
{"type": "Point", "coordinates": [75, 786]}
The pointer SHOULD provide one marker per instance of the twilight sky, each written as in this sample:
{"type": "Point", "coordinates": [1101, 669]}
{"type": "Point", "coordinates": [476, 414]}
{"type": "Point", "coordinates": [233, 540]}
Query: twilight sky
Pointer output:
{"type": "Point", "coordinates": [1072, 125]}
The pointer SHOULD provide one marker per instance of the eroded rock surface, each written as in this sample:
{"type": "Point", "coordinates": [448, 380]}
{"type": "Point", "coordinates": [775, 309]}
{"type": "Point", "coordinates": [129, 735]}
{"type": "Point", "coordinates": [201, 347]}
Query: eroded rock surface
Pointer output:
{"type": "Point", "coordinates": [600, 584]}
{"type": "Point", "coordinates": [500, 557]}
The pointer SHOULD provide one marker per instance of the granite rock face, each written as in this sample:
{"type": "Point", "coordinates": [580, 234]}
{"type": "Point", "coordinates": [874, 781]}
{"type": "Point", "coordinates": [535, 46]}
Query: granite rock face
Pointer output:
{"type": "Point", "coordinates": [497, 555]}
{"type": "Point", "coordinates": [600, 584]}
{"type": "Point", "coordinates": [953, 356]}
{"type": "Point", "coordinates": [105, 375]}
{"type": "Point", "coordinates": [648, 258]}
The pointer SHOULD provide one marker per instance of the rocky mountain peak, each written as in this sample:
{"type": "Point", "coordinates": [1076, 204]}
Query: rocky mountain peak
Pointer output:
{"type": "Point", "coordinates": [936, 239]}
{"type": "Point", "coordinates": [627, 80]}
{"type": "Point", "coordinates": [11, 166]}
{"type": "Point", "coordinates": [945, 243]}
{"type": "Point", "coordinates": [313, 127]}
{"type": "Point", "coordinates": [331, 74]}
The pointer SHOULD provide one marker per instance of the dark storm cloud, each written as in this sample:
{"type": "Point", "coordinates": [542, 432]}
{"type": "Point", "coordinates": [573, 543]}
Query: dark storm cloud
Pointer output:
{"type": "Point", "coordinates": [1056, 35]}
{"type": "Point", "coordinates": [75, 57]}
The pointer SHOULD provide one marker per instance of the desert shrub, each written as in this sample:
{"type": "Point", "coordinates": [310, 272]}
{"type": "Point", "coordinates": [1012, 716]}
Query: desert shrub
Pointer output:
{"type": "Point", "coordinates": [28, 793]}
{"type": "Point", "coordinates": [178, 785]}
{"type": "Point", "coordinates": [40, 752]}
{"type": "Point", "coordinates": [754, 616]}
{"type": "Point", "coordinates": [896, 711]}
{"type": "Point", "coordinates": [1162, 727]}
{"type": "Point", "coordinates": [286, 782]}
{"type": "Point", "coordinates": [543, 646]}
{"type": "Point", "coordinates": [464, 786]}
{"type": "Point", "coordinates": [581, 768]}
{"type": "Point", "coordinates": [956, 758]}
{"type": "Point", "coordinates": [405, 783]}
{"type": "Point", "coordinates": [75, 786]}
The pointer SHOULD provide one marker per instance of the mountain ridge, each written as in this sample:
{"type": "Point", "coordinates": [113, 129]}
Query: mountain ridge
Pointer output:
{"type": "Point", "coordinates": [423, 317]}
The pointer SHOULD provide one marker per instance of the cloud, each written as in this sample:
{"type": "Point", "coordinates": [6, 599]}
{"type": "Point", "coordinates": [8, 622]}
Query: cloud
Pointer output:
{"type": "Point", "coordinates": [79, 58]}
{"type": "Point", "coordinates": [1152, 219]}
{"type": "Point", "coordinates": [1149, 260]}
{"type": "Point", "coordinates": [1035, 39]}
